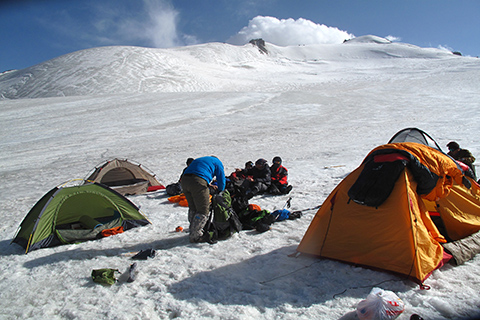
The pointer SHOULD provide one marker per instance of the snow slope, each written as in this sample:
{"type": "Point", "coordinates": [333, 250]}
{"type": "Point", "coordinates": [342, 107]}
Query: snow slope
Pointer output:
{"type": "Point", "coordinates": [207, 67]}
{"type": "Point", "coordinates": [321, 108]}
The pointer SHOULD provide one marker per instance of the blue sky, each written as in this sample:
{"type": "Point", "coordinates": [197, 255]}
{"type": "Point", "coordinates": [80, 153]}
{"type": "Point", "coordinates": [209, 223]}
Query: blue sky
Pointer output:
{"type": "Point", "coordinates": [33, 31]}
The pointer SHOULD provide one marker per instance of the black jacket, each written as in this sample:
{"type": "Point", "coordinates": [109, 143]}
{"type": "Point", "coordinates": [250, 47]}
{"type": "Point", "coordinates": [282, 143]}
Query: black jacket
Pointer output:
{"type": "Point", "coordinates": [262, 176]}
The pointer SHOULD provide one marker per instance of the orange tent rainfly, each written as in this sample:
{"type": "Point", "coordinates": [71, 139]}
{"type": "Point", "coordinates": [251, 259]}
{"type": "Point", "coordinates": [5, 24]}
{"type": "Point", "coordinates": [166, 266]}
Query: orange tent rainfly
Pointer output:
{"type": "Point", "coordinates": [378, 216]}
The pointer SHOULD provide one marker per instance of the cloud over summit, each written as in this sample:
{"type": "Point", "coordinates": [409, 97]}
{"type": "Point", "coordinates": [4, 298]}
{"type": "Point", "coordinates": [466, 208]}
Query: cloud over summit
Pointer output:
{"type": "Point", "coordinates": [286, 32]}
{"type": "Point", "coordinates": [152, 23]}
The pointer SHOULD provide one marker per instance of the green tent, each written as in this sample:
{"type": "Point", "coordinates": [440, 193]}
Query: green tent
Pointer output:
{"type": "Point", "coordinates": [75, 214]}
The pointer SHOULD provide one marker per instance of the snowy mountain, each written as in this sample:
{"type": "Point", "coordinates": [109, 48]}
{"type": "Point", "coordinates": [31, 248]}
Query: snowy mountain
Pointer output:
{"type": "Point", "coordinates": [321, 108]}
{"type": "Point", "coordinates": [201, 68]}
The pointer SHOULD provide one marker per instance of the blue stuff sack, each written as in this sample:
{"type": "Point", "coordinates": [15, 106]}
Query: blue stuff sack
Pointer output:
{"type": "Point", "coordinates": [283, 214]}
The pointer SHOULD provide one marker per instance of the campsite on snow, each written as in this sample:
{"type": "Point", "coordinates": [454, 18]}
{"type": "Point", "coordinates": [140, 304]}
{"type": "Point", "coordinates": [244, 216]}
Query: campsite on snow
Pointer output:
{"type": "Point", "coordinates": [323, 109]}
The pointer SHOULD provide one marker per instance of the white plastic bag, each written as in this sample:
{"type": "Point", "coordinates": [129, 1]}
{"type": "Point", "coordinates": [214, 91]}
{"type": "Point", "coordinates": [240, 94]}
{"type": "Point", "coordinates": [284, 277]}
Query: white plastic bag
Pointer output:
{"type": "Point", "coordinates": [380, 305]}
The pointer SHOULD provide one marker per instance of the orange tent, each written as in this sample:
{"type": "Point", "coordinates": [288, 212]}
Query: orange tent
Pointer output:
{"type": "Point", "coordinates": [397, 234]}
{"type": "Point", "coordinates": [460, 210]}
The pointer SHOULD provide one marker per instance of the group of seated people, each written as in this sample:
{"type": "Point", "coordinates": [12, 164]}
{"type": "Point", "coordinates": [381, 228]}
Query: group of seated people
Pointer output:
{"type": "Point", "coordinates": [254, 179]}
{"type": "Point", "coordinates": [261, 178]}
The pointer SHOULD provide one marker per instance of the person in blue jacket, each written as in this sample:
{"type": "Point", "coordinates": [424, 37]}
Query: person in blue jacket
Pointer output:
{"type": "Point", "coordinates": [196, 184]}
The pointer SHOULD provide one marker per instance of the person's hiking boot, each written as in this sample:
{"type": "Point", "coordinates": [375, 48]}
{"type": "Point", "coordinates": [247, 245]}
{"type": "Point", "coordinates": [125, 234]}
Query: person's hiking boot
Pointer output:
{"type": "Point", "coordinates": [144, 254]}
{"type": "Point", "coordinates": [196, 227]}
{"type": "Point", "coordinates": [287, 190]}
{"type": "Point", "coordinates": [273, 189]}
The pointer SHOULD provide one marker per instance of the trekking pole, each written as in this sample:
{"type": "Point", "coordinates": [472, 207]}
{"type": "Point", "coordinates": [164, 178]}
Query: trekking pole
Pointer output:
{"type": "Point", "coordinates": [303, 210]}
{"type": "Point", "coordinates": [212, 214]}
{"type": "Point", "coordinates": [287, 204]}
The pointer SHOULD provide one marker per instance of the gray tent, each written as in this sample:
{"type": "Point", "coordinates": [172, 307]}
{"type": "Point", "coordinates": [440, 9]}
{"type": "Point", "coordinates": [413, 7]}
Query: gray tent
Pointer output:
{"type": "Point", "coordinates": [125, 177]}
{"type": "Point", "coordinates": [415, 135]}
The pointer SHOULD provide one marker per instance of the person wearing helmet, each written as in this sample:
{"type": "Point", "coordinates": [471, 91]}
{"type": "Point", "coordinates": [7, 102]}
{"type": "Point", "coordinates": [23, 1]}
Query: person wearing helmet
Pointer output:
{"type": "Point", "coordinates": [279, 176]}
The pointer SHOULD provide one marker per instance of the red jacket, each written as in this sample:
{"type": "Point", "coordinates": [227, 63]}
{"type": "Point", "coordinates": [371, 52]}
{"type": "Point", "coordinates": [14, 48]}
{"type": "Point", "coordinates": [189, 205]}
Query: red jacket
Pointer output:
{"type": "Point", "coordinates": [279, 174]}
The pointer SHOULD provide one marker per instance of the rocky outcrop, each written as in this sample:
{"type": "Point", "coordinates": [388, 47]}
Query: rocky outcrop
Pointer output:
{"type": "Point", "coordinates": [260, 44]}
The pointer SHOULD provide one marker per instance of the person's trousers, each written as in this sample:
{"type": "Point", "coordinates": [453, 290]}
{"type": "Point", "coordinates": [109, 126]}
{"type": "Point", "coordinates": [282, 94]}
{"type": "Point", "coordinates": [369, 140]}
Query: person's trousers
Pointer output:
{"type": "Point", "coordinates": [197, 194]}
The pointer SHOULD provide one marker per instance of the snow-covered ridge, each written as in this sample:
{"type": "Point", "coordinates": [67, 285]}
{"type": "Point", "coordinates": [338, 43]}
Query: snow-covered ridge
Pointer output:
{"type": "Point", "coordinates": [199, 68]}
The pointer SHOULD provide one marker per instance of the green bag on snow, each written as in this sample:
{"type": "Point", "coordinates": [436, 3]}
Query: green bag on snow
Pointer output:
{"type": "Point", "coordinates": [104, 276]}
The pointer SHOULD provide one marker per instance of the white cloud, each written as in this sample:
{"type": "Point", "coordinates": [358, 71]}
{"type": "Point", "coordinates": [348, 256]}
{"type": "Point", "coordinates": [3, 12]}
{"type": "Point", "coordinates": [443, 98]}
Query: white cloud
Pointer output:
{"type": "Point", "coordinates": [287, 32]}
{"type": "Point", "coordinates": [161, 27]}
{"type": "Point", "coordinates": [155, 24]}
{"type": "Point", "coordinates": [393, 38]}
{"type": "Point", "coordinates": [445, 48]}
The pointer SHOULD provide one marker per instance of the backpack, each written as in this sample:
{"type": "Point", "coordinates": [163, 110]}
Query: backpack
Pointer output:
{"type": "Point", "coordinates": [223, 222]}
{"type": "Point", "coordinates": [239, 201]}
{"type": "Point", "coordinates": [174, 189]}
